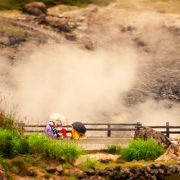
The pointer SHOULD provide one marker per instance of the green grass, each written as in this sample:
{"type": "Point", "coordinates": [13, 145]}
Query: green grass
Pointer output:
{"type": "Point", "coordinates": [66, 166]}
{"type": "Point", "coordinates": [18, 4]}
{"type": "Point", "coordinates": [113, 149]}
{"type": "Point", "coordinates": [141, 149]}
{"type": "Point", "coordinates": [91, 163]}
{"type": "Point", "coordinates": [8, 29]}
{"type": "Point", "coordinates": [6, 122]}
{"type": "Point", "coordinates": [11, 143]}
{"type": "Point", "coordinates": [65, 150]}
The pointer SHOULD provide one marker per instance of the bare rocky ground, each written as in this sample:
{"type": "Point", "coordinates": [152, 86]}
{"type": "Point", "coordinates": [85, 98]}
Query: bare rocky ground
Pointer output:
{"type": "Point", "coordinates": [150, 31]}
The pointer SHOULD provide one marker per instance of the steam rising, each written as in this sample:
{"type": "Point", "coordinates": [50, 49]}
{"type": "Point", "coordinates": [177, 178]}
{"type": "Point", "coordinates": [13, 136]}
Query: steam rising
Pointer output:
{"type": "Point", "coordinates": [82, 85]}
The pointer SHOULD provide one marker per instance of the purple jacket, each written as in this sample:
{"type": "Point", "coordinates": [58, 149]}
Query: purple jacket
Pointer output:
{"type": "Point", "coordinates": [49, 131]}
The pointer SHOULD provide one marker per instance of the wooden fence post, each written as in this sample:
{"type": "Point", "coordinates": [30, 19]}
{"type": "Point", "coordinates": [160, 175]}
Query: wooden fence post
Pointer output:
{"type": "Point", "coordinates": [167, 129]}
{"type": "Point", "coordinates": [109, 130]}
{"type": "Point", "coordinates": [138, 126]}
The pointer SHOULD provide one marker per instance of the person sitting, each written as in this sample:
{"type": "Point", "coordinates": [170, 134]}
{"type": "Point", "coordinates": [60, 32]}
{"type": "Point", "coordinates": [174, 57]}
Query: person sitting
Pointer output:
{"type": "Point", "coordinates": [49, 130]}
{"type": "Point", "coordinates": [78, 131]}
{"type": "Point", "coordinates": [59, 133]}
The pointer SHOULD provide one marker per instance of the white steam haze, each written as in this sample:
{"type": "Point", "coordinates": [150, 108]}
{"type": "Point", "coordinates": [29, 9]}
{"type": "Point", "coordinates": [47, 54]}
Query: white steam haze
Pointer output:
{"type": "Point", "coordinates": [82, 85]}
{"type": "Point", "coordinates": [132, 50]}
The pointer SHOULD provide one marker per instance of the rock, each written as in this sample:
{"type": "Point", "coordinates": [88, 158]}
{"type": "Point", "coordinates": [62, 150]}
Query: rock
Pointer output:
{"type": "Point", "coordinates": [90, 172]}
{"type": "Point", "coordinates": [31, 171]}
{"type": "Point", "coordinates": [35, 8]}
{"type": "Point", "coordinates": [89, 45]}
{"type": "Point", "coordinates": [173, 152]}
{"type": "Point", "coordinates": [105, 161]}
{"type": "Point", "coordinates": [148, 133]}
{"type": "Point", "coordinates": [59, 169]}
{"type": "Point", "coordinates": [56, 22]}
{"type": "Point", "coordinates": [51, 169]}
{"type": "Point", "coordinates": [70, 36]}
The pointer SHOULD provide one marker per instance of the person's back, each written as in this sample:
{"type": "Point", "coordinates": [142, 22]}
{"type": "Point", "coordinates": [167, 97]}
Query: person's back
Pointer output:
{"type": "Point", "coordinates": [49, 130]}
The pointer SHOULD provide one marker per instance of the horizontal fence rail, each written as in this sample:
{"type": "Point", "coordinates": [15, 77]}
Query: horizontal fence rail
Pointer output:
{"type": "Point", "coordinates": [109, 129]}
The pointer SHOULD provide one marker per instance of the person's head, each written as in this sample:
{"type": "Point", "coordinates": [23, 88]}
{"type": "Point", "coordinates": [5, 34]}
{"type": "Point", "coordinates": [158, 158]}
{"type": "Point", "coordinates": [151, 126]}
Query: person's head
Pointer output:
{"type": "Point", "coordinates": [51, 123]}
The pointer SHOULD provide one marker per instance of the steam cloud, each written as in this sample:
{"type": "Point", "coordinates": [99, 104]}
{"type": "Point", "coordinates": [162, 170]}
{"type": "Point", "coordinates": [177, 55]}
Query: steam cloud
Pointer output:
{"type": "Point", "coordinates": [82, 85]}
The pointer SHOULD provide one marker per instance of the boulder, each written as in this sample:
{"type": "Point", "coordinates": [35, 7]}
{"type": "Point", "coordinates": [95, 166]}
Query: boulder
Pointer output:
{"type": "Point", "coordinates": [56, 22]}
{"type": "Point", "coordinates": [148, 133]}
{"type": "Point", "coordinates": [172, 153]}
{"type": "Point", "coordinates": [35, 8]}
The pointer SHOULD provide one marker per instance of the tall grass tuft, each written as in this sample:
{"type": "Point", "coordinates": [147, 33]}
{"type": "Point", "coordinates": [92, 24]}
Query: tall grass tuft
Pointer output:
{"type": "Point", "coordinates": [7, 122]}
{"type": "Point", "coordinates": [12, 144]}
{"type": "Point", "coordinates": [141, 149]}
{"type": "Point", "coordinates": [113, 149]}
{"type": "Point", "coordinates": [91, 163]}
{"type": "Point", "coordinates": [65, 150]}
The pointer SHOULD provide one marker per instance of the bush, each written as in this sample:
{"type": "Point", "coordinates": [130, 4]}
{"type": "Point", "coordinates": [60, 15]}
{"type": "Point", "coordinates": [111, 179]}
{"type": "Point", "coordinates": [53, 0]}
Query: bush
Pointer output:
{"type": "Point", "coordinates": [7, 122]}
{"type": "Point", "coordinates": [54, 149]}
{"type": "Point", "coordinates": [91, 163]}
{"type": "Point", "coordinates": [113, 149]}
{"type": "Point", "coordinates": [18, 4]}
{"type": "Point", "coordinates": [141, 149]}
{"type": "Point", "coordinates": [12, 144]}
{"type": "Point", "coordinates": [38, 144]}
{"type": "Point", "coordinates": [66, 166]}
{"type": "Point", "coordinates": [6, 143]}
{"type": "Point", "coordinates": [21, 145]}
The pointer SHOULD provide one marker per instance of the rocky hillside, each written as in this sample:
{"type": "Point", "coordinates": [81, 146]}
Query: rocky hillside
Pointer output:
{"type": "Point", "coordinates": [147, 29]}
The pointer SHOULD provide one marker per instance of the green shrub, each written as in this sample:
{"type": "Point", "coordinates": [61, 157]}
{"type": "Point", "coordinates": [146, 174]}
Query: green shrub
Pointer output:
{"type": "Point", "coordinates": [91, 163]}
{"type": "Point", "coordinates": [70, 151]}
{"type": "Point", "coordinates": [18, 4]}
{"type": "Point", "coordinates": [113, 149]}
{"type": "Point", "coordinates": [3, 163]}
{"type": "Point", "coordinates": [141, 149]}
{"type": "Point", "coordinates": [20, 144]}
{"type": "Point", "coordinates": [53, 148]}
{"type": "Point", "coordinates": [66, 166]}
{"type": "Point", "coordinates": [7, 122]}
{"type": "Point", "coordinates": [12, 144]}
{"type": "Point", "coordinates": [6, 143]}
{"type": "Point", "coordinates": [38, 144]}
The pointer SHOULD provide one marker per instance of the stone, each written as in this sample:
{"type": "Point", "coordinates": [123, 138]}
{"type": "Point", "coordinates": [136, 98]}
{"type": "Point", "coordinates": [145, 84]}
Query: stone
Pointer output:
{"type": "Point", "coordinates": [59, 169]}
{"type": "Point", "coordinates": [148, 133]}
{"type": "Point", "coordinates": [35, 8]}
{"type": "Point", "coordinates": [70, 36]}
{"type": "Point", "coordinates": [90, 172]}
{"type": "Point", "coordinates": [173, 152]}
{"type": "Point", "coordinates": [51, 169]}
{"type": "Point", "coordinates": [105, 161]}
{"type": "Point", "coordinates": [56, 22]}
{"type": "Point", "coordinates": [31, 171]}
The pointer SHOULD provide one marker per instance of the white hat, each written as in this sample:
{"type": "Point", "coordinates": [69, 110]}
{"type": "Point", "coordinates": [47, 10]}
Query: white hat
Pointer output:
{"type": "Point", "coordinates": [51, 123]}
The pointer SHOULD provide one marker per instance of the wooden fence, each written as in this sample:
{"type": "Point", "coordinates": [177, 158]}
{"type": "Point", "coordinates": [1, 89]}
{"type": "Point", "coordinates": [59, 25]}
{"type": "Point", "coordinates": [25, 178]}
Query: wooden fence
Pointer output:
{"type": "Point", "coordinates": [110, 127]}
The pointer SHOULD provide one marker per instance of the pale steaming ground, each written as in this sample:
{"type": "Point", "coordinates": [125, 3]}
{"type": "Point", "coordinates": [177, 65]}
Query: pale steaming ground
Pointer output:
{"type": "Point", "coordinates": [82, 85]}
{"type": "Point", "coordinates": [134, 53]}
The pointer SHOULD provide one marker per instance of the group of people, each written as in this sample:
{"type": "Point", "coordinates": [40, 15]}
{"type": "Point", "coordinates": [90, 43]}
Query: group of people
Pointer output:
{"type": "Point", "coordinates": [78, 129]}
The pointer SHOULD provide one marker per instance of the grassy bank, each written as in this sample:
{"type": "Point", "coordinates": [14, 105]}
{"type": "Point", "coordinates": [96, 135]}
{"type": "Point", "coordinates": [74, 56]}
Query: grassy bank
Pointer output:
{"type": "Point", "coordinates": [18, 4]}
